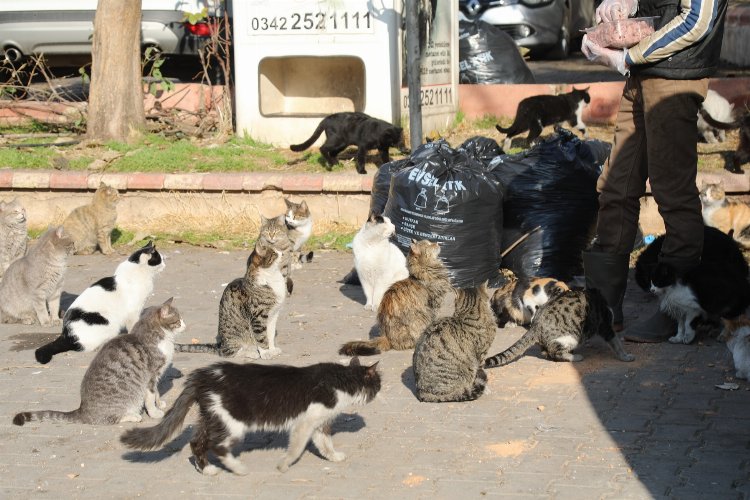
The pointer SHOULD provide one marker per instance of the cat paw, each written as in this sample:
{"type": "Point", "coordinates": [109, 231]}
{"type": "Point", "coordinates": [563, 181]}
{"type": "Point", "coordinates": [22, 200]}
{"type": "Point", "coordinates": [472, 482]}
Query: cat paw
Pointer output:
{"type": "Point", "coordinates": [282, 466]}
{"type": "Point", "coordinates": [369, 307]}
{"type": "Point", "coordinates": [677, 339]}
{"type": "Point", "coordinates": [337, 456]}
{"type": "Point", "coordinates": [156, 413]}
{"type": "Point", "coordinates": [30, 321]}
{"type": "Point", "coordinates": [270, 353]}
{"type": "Point", "coordinates": [55, 322]}
{"type": "Point", "coordinates": [210, 470]}
{"type": "Point", "coordinates": [627, 357]}
{"type": "Point", "coordinates": [161, 404]}
{"type": "Point", "coordinates": [131, 418]}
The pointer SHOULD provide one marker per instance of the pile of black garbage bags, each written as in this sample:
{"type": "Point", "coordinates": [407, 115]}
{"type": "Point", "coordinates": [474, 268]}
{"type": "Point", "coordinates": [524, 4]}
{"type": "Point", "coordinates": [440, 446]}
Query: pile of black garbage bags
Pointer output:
{"type": "Point", "coordinates": [531, 212]}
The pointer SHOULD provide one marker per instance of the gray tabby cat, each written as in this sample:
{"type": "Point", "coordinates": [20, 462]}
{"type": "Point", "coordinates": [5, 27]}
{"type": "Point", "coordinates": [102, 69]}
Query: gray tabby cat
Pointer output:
{"type": "Point", "coordinates": [31, 288]}
{"type": "Point", "coordinates": [13, 233]}
{"type": "Point", "coordinates": [449, 356]}
{"type": "Point", "coordinates": [274, 233]}
{"type": "Point", "coordinates": [124, 375]}
{"type": "Point", "coordinates": [249, 309]}
{"type": "Point", "coordinates": [562, 324]}
{"type": "Point", "coordinates": [409, 305]}
{"type": "Point", "coordinates": [299, 224]}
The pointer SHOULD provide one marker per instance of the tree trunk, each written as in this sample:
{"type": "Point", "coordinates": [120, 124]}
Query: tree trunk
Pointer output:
{"type": "Point", "coordinates": [115, 110]}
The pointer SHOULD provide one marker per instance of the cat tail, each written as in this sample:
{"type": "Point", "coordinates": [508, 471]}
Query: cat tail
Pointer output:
{"type": "Point", "coordinates": [301, 147]}
{"type": "Point", "coordinates": [717, 124]}
{"type": "Point", "coordinates": [504, 130]}
{"type": "Point", "coordinates": [211, 348]}
{"type": "Point", "coordinates": [63, 343]}
{"type": "Point", "coordinates": [366, 347]}
{"type": "Point", "coordinates": [149, 438]}
{"type": "Point", "coordinates": [513, 352]}
{"type": "Point", "coordinates": [57, 416]}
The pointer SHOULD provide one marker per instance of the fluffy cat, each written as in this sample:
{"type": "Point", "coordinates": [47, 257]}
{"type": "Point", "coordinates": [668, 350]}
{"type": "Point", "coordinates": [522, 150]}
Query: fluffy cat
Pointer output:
{"type": "Point", "coordinates": [31, 287]}
{"type": "Point", "coordinates": [124, 375]}
{"type": "Point", "coordinates": [235, 399]}
{"type": "Point", "coordinates": [562, 325]}
{"type": "Point", "coordinates": [91, 225]}
{"type": "Point", "coordinates": [409, 305]}
{"type": "Point", "coordinates": [518, 300]}
{"type": "Point", "coordinates": [274, 234]}
{"type": "Point", "coordinates": [536, 112]}
{"type": "Point", "coordinates": [736, 335]}
{"type": "Point", "coordinates": [354, 128]}
{"type": "Point", "coordinates": [249, 309]}
{"type": "Point", "coordinates": [742, 155]}
{"type": "Point", "coordinates": [449, 357]}
{"type": "Point", "coordinates": [720, 109]}
{"type": "Point", "coordinates": [107, 307]}
{"type": "Point", "coordinates": [299, 224]}
{"type": "Point", "coordinates": [731, 217]}
{"type": "Point", "coordinates": [718, 248]}
{"type": "Point", "coordinates": [379, 262]}
{"type": "Point", "coordinates": [710, 289]}
{"type": "Point", "coordinates": [13, 233]}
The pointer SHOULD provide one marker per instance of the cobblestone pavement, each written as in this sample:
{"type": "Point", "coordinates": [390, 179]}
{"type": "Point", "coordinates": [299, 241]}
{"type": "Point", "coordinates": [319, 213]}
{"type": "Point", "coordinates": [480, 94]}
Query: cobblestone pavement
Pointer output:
{"type": "Point", "coordinates": [654, 428]}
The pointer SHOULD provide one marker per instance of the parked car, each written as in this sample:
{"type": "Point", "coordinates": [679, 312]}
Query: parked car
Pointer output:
{"type": "Point", "coordinates": [62, 31]}
{"type": "Point", "coordinates": [547, 28]}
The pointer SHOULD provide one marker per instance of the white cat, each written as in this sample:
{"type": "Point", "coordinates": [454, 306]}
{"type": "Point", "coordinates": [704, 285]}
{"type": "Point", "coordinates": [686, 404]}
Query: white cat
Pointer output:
{"type": "Point", "coordinates": [379, 262]}
{"type": "Point", "coordinates": [736, 334]}
{"type": "Point", "coordinates": [108, 306]}
{"type": "Point", "coordinates": [720, 109]}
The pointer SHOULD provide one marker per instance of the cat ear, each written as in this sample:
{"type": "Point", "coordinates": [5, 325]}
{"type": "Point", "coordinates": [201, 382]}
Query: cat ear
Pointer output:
{"type": "Point", "coordinates": [413, 247]}
{"type": "Point", "coordinates": [354, 361]}
{"type": "Point", "coordinates": [263, 220]}
{"type": "Point", "coordinates": [169, 301]}
{"type": "Point", "coordinates": [372, 370]}
{"type": "Point", "coordinates": [164, 309]}
{"type": "Point", "coordinates": [288, 202]}
{"type": "Point", "coordinates": [303, 204]}
{"type": "Point", "coordinates": [59, 232]}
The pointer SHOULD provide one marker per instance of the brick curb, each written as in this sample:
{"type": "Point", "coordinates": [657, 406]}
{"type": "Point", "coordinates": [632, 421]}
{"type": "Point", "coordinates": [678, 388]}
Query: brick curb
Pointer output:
{"type": "Point", "coordinates": [238, 182]}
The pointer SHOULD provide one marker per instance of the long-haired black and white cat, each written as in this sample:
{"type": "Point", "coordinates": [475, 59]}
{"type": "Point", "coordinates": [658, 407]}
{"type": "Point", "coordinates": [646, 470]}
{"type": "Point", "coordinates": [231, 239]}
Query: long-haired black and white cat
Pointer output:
{"type": "Point", "coordinates": [235, 399]}
{"type": "Point", "coordinates": [710, 289]}
{"type": "Point", "coordinates": [107, 307]}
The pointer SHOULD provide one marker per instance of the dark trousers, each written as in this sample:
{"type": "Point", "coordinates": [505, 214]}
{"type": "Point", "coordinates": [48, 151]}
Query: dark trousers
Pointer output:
{"type": "Point", "coordinates": [656, 139]}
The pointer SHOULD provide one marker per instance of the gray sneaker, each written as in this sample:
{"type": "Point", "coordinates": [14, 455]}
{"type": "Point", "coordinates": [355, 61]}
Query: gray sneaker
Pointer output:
{"type": "Point", "coordinates": [657, 328]}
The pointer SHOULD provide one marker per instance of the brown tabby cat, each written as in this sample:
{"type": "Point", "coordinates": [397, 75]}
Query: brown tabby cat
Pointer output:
{"type": "Point", "coordinates": [449, 357]}
{"type": "Point", "coordinates": [92, 224]}
{"type": "Point", "coordinates": [409, 305]}
{"type": "Point", "coordinates": [518, 300]}
{"type": "Point", "coordinates": [731, 217]}
{"type": "Point", "coordinates": [249, 309]}
{"type": "Point", "coordinates": [564, 323]}
{"type": "Point", "coordinates": [275, 234]}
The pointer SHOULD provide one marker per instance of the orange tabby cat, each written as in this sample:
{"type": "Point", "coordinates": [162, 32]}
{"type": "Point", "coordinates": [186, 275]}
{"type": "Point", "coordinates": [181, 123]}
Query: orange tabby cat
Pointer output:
{"type": "Point", "coordinates": [92, 224]}
{"type": "Point", "coordinates": [731, 217]}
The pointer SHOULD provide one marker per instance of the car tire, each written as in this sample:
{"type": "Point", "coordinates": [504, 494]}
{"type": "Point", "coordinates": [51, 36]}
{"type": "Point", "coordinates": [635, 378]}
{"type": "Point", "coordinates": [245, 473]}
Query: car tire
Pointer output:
{"type": "Point", "coordinates": [561, 50]}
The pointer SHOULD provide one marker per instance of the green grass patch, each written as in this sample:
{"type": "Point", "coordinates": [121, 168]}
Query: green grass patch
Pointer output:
{"type": "Point", "coordinates": [330, 241]}
{"type": "Point", "coordinates": [486, 122]}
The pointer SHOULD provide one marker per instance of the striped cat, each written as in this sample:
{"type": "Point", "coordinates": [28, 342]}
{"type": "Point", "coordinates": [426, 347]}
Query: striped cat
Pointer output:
{"type": "Point", "coordinates": [13, 233]}
{"type": "Point", "coordinates": [448, 358]}
{"type": "Point", "coordinates": [122, 378]}
{"type": "Point", "coordinates": [409, 305]}
{"type": "Point", "coordinates": [91, 225]}
{"type": "Point", "coordinates": [518, 300]}
{"type": "Point", "coordinates": [275, 234]}
{"type": "Point", "coordinates": [249, 309]}
{"type": "Point", "coordinates": [562, 325]}
{"type": "Point", "coordinates": [299, 223]}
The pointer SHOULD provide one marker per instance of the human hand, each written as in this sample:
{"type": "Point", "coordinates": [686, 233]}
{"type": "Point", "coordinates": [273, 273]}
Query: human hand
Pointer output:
{"type": "Point", "coordinates": [615, 59]}
{"type": "Point", "coordinates": [612, 10]}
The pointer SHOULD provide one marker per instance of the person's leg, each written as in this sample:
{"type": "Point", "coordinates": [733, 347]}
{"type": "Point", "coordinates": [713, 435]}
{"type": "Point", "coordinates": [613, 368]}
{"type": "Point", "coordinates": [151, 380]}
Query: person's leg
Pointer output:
{"type": "Point", "coordinates": [620, 187]}
{"type": "Point", "coordinates": [671, 108]}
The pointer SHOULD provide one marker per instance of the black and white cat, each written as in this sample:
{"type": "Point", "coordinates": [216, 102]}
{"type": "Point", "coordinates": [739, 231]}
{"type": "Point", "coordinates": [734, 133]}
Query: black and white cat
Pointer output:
{"type": "Point", "coordinates": [536, 112]}
{"type": "Point", "coordinates": [711, 289]}
{"type": "Point", "coordinates": [235, 399]}
{"type": "Point", "coordinates": [107, 307]}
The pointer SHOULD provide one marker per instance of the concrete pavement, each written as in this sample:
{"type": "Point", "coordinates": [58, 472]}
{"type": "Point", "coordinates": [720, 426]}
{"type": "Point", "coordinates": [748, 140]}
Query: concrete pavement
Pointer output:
{"type": "Point", "coordinates": [654, 428]}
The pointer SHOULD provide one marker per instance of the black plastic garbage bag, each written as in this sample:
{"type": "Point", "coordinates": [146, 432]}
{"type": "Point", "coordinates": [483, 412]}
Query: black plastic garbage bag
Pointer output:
{"type": "Point", "coordinates": [552, 187]}
{"type": "Point", "coordinates": [484, 149]}
{"type": "Point", "coordinates": [486, 54]}
{"type": "Point", "coordinates": [446, 195]}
